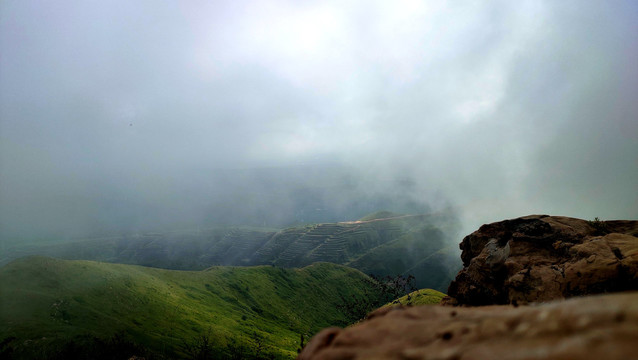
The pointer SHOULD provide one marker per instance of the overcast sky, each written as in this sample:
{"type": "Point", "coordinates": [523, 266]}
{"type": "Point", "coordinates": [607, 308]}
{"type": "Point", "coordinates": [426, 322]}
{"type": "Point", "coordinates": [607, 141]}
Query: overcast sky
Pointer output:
{"type": "Point", "coordinates": [501, 109]}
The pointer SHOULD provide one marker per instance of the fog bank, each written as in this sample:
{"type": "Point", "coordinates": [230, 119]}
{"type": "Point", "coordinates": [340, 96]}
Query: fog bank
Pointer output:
{"type": "Point", "coordinates": [117, 116]}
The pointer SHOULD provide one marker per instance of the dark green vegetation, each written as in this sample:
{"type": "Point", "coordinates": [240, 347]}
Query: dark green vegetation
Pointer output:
{"type": "Point", "coordinates": [60, 308]}
{"type": "Point", "coordinates": [380, 244]}
{"type": "Point", "coordinates": [599, 226]}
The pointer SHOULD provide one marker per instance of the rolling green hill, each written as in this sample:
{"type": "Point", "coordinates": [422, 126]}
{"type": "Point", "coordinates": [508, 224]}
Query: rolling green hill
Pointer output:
{"type": "Point", "coordinates": [51, 308]}
{"type": "Point", "coordinates": [381, 244]}
{"type": "Point", "coordinates": [419, 297]}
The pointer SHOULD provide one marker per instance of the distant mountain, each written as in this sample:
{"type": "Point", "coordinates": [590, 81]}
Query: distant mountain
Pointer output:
{"type": "Point", "coordinates": [381, 244]}
{"type": "Point", "coordinates": [60, 309]}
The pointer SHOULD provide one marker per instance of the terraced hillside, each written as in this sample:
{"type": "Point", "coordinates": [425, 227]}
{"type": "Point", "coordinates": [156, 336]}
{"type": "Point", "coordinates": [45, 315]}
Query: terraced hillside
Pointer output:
{"type": "Point", "coordinates": [59, 308]}
{"type": "Point", "coordinates": [380, 244]}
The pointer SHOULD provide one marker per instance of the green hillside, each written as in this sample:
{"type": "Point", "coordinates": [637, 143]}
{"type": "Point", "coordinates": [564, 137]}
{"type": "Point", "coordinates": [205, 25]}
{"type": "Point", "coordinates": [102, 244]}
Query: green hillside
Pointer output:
{"type": "Point", "coordinates": [437, 269]}
{"type": "Point", "coordinates": [419, 297]}
{"type": "Point", "coordinates": [381, 243]}
{"type": "Point", "coordinates": [403, 255]}
{"type": "Point", "coordinates": [379, 215]}
{"type": "Point", "coordinates": [52, 308]}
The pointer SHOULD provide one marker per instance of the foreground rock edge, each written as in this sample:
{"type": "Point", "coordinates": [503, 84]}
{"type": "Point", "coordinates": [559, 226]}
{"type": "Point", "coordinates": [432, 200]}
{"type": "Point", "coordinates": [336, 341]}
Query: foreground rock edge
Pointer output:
{"type": "Point", "coordinates": [593, 327]}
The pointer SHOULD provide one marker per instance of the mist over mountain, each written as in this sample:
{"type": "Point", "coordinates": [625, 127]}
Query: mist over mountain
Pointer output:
{"type": "Point", "coordinates": [225, 178]}
{"type": "Point", "coordinates": [122, 116]}
{"type": "Point", "coordinates": [267, 197]}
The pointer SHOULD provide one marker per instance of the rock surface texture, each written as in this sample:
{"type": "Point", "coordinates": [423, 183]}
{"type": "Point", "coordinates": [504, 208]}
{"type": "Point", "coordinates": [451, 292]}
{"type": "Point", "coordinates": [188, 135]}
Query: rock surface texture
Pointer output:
{"type": "Point", "coordinates": [595, 327]}
{"type": "Point", "coordinates": [540, 258]}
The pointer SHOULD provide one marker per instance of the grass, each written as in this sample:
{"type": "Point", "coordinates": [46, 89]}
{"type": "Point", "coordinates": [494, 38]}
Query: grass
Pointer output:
{"type": "Point", "coordinates": [379, 215]}
{"type": "Point", "coordinates": [47, 304]}
{"type": "Point", "coordinates": [420, 252]}
{"type": "Point", "coordinates": [408, 245]}
{"type": "Point", "coordinates": [419, 297]}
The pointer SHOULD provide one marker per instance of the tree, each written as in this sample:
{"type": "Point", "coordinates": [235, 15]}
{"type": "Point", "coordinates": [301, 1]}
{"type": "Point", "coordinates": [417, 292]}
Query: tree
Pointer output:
{"type": "Point", "coordinates": [202, 348]}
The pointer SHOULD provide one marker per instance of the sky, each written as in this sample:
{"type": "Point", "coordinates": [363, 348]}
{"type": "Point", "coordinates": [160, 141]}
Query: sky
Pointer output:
{"type": "Point", "coordinates": [123, 115]}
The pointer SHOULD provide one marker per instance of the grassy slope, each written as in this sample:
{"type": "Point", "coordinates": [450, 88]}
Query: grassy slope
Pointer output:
{"type": "Point", "coordinates": [383, 214]}
{"type": "Point", "coordinates": [419, 297]}
{"type": "Point", "coordinates": [348, 241]}
{"type": "Point", "coordinates": [50, 301]}
{"type": "Point", "coordinates": [438, 269]}
{"type": "Point", "coordinates": [421, 252]}
{"type": "Point", "coordinates": [378, 244]}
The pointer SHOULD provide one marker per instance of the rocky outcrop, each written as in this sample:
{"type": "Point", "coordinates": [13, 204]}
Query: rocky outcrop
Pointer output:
{"type": "Point", "coordinates": [535, 259]}
{"type": "Point", "coordinates": [541, 258]}
{"type": "Point", "coordinates": [595, 327]}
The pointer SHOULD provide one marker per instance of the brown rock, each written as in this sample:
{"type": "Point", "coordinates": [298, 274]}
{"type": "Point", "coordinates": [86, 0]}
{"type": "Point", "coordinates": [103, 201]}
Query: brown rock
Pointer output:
{"type": "Point", "coordinates": [595, 327]}
{"type": "Point", "coordinates": [540, 258]}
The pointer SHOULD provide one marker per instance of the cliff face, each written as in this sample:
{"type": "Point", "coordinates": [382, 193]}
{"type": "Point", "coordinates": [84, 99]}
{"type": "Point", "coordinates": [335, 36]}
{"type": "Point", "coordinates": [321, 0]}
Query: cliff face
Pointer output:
{"type": "Point", "coordinates": [540, 258]}
{"type": "Point", "coordinates": [534, 259]}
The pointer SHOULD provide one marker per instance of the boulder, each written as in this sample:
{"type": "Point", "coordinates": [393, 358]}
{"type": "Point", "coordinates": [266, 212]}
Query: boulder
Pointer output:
{"type": "Point", "coordinates": [594, 327]}
{"type": "Point", "coordinates": [540, 258]}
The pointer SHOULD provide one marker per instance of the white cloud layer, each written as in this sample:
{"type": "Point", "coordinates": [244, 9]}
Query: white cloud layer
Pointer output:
{"type": "Point", "coordinates": [501, 108]}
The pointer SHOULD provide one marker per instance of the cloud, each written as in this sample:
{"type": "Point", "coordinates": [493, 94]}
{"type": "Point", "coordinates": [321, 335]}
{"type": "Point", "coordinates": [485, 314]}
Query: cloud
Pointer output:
{"type": "Point", "coordinates": [133, 107]}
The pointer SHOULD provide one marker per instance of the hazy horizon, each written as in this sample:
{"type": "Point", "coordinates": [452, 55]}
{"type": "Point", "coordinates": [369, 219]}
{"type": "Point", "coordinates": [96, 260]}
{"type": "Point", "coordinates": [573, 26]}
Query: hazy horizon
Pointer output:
{"type": "Point", "coordinates": [120, 115]}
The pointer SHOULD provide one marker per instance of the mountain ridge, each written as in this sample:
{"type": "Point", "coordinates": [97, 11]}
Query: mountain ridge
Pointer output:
{"type": "Point", "coordinates": [353, 243]}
